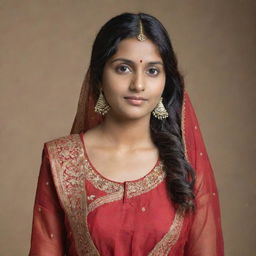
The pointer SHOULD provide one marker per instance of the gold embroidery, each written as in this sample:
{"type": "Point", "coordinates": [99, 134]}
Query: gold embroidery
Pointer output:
{"type": "Point", "coordinates": [147, 183]}
{"type": "Point", "coordinates": [183, 126]}
{"type": "Point", "coordinates": [164, 246]}
{"type": "Point", "coordinates": [105, 199]}
{"type": "Point", "coordinates": [91, 197]}
{"type": "Point", "coordinates": [99, 182]}
{"type": "Point", "coordinates": [67, 164]}
{"type": "Point", "coordinates": [116, 190]}
{"type": "Point", "coordinates": [134, 188]}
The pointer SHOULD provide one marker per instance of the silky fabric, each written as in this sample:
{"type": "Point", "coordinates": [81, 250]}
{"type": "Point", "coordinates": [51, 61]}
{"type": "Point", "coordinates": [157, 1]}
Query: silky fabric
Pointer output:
{"type": "Point", "coordinates": [124, 218]}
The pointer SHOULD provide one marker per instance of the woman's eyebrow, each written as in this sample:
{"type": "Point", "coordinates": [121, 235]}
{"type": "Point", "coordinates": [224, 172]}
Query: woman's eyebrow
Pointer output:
{"type": "Point", "coordinates": [132, 63]}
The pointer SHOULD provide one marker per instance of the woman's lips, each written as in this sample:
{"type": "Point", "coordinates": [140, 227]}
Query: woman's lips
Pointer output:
{"type": "Point", "coordinates": [136, 101]}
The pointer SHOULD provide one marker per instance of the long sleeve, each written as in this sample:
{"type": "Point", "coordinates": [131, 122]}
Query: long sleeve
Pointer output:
{"type": "Point", "coordinates": [205, 236]}
{"type": "Point", "coordinates": [48, 229]}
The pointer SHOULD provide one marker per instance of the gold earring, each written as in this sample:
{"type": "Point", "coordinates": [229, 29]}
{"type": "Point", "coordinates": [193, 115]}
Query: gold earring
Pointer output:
{"type": "Point", "coordinates": [159, 111]}
{"type": "Point", "coordinates": [101, 107]}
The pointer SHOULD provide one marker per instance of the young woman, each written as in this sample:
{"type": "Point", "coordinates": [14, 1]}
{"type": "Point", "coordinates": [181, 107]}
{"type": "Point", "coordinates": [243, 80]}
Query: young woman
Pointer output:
{"type": "Point", "coordinates": [133, 177]}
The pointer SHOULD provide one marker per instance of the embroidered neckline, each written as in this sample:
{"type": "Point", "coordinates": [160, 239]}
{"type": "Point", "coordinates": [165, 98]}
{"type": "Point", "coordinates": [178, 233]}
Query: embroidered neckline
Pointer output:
{"type": "Point", "coordinates": [156, 170]}
{"type": "Point", "coordinates": [69, 169]}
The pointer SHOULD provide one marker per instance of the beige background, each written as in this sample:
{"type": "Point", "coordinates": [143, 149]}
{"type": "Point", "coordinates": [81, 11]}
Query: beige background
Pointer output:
{"type": "Point", "coordinates": [44, 52]}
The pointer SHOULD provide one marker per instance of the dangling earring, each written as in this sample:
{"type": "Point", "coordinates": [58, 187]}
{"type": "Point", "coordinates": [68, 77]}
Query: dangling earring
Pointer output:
{"type": "Point", "coordinates": [159, 111]}
{"type": "Point", "coordinates": [101, 107]}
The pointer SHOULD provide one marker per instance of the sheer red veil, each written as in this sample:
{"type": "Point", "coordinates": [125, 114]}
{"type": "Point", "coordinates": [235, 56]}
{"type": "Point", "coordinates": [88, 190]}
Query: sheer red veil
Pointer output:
{"type": "Point", "coordinates": [86, 117]}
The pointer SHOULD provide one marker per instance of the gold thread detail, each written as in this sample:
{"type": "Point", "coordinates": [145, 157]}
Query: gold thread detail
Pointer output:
{"type": "Point", "coordinates": [99, 182]}
{"type": "Point", "coordinates": [147, 183]}
{"type": "Point", "coordinates": [163, 247]}
{"type": "Point", "coordinates": [183, 126]}
{"type": "Point", "coordinates": [105, 199]}
{"type": "Point", "coordinates": [134, 188]}
{"type": "Point", "coordinates": [67, 164]}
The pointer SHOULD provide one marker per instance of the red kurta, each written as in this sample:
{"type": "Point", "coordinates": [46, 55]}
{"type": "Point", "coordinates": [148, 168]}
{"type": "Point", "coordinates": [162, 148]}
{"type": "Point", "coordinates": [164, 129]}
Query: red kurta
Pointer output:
{"type": "Point", "coordinates": [80, 212]}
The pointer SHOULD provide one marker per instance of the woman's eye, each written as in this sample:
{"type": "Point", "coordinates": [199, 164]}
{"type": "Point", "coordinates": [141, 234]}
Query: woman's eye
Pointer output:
{"type": "Point", "coordinates": [123, 69]}
{"type": "Point", "coordinates": [153, 71]}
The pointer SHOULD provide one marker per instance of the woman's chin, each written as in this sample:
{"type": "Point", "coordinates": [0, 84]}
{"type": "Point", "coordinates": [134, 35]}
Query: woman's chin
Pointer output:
{"type": "Point", "coordinates": [131, 115]}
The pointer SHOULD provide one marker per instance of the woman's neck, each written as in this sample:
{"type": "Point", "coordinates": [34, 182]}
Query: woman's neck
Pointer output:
{"type": "Point", "coordinates": [127, 134]}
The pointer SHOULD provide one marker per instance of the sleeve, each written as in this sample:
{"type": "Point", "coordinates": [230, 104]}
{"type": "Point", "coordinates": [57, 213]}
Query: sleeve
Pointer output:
{"type": "Point", "coordinates": [205, 237]}
{"type": "Point", "coordinates": [48, 228]}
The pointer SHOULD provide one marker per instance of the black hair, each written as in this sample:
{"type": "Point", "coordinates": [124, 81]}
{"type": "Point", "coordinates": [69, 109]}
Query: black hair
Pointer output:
{"type": "Point", "coordinates": [166, 134]}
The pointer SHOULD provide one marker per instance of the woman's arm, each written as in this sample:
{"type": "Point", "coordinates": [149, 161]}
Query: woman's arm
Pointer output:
{"type": "Point", "coordinates": [205, 236]}
{"type": "Point", "coordinates": [48, 228]}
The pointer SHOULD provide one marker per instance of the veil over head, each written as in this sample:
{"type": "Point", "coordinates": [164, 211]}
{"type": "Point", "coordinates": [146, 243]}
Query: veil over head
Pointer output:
{"type": "Point", "coordinates": [86, 118]}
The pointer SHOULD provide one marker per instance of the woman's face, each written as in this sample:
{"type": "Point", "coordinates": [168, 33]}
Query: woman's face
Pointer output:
{"type": "Point", "coordinates": [136, 70]}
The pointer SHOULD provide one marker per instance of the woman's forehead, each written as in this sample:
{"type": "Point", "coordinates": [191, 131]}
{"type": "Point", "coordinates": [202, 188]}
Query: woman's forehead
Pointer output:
{"type": "Point", "coordinates": [132, 48]}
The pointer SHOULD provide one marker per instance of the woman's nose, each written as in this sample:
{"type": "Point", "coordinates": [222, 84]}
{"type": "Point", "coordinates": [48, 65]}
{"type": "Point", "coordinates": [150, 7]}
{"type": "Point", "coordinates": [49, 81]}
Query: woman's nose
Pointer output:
{"type": "Point", "coordinates": [137, 83]}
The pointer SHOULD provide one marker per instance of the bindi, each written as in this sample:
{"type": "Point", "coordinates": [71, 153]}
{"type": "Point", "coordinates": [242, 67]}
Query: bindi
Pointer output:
{"type": "Point", "coordinates": [140, 61]}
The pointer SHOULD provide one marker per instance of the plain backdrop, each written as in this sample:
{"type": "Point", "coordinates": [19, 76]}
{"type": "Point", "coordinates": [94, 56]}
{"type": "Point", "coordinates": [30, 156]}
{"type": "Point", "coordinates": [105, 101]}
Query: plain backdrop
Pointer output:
{"type": "Point", "coordinates": [45, 49]}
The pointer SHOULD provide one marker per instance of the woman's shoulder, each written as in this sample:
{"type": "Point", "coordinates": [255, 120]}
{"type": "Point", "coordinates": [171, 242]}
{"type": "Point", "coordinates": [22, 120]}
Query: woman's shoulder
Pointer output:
{"type": "Point", "coordinates": [64, 144]}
